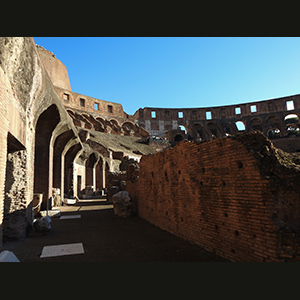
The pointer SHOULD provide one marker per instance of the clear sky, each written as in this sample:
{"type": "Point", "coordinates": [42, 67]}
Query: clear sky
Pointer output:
{"type": "Point", "coordinates": [179, 72]}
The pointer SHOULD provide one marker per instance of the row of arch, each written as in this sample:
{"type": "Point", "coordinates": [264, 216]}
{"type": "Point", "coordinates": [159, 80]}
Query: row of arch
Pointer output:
{"type": "Point", "coordinates": [70, 166]}
{"type": "Point", "coordinates": [272, 127]}
{"type": "Point", "coordinates": [112, 126]}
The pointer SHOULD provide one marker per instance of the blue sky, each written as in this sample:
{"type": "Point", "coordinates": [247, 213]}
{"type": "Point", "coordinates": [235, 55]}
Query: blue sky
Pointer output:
{"type": "Point", "coordinates": [179, 72]}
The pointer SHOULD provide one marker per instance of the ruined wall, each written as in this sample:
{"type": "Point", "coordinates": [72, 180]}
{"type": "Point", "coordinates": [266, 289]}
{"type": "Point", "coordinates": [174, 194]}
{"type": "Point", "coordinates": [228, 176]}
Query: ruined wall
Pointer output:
{"type": "Point", "coordinates": [208, 123]}
{"type": "Point", "coordinates": [237, 197]}
{"type": "Point", "coordinates": [55, 68]}
{"type": "Point", "coordinates": [107, 109]}
{"type": "Point", "coordinates": [17, 216]}
{"type": "Point", "coordinates": [26, 94]}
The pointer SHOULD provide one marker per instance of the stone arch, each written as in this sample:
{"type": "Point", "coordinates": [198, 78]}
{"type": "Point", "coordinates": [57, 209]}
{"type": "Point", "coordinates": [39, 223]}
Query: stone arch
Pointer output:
{"type": "Point", "coordinates": [182, 128]}
{"type": "Point", "coordinates": [273, 133]}
{"type": "Point", "coordinates": [70, 154]}
{"type": "Point", "coordinates": [292, 124]}
{"type": "Point", "coordinates": [240, 125]}
{"type": "Point", "coordinates": [115, 122]}
{"type": "Point", "coordinates": [215, 132]}
{"type": "Point", "coordinates": [115, 126]}
{"type": "Point", "coordinates": [178, 138]}
{"type": "Point", "coordinates": [58, 148]}
{"type": "Point", "coordinates": [256, 124]}
{"type": "Point", "coordinates": [128, 128]}
{"type": "Point", "coordinates": [86, 122]}
{"type": "Point", "coordinates": [97, 125]}
{"type": "Point", "coordinates": [90, 176]}
{"type": "Point", "coordinates": [102, 123]}
{"type": "Point", "coordinates": [291, 119]}
{"type": "Point", "coordinates": [72, 114]}
{"type": "Point", "coordinates": [273, 122]}
{"type": "Point", "coordinates": [198, 129]}
{"type": "Point", "coordinates": [43, 163]}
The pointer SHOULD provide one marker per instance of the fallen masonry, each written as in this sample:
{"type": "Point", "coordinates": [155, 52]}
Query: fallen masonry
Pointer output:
{"type": "Point", "coordinates": [123, 204]}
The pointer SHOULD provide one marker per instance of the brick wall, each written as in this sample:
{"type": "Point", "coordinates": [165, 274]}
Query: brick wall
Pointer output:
{"type": "Point", "coordinates": [237, 197]}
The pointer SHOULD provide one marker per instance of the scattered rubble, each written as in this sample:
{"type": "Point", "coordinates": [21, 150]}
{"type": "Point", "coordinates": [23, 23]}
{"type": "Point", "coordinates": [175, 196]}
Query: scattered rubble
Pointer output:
{"type": "Point", "coordinates": [42, 224]}
{"type": "Point", "coordinates": [123, 204]}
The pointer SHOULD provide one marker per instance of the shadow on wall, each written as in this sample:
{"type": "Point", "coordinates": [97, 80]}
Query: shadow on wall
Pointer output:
{"type": "Point", "coordinates": [17, 224]}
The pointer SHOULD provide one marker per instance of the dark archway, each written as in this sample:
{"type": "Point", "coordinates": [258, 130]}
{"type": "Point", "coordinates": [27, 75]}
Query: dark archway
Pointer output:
{"type": "Point", "coordinates": [59, 145]}
{"type": "Point", "coordinates": [89, 170]}
{"type": "Point", "coordinates": [178, 138]}
{"type": "Point", "coordinates": [46, 123]}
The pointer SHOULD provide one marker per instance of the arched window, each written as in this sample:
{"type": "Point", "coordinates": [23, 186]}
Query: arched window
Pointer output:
{"type": "Point", "coordinates": [182, 128]}
{"type": "Point", "coordinates": [240, 126]}
{"type": "Point", "coordinates": [291, 118]}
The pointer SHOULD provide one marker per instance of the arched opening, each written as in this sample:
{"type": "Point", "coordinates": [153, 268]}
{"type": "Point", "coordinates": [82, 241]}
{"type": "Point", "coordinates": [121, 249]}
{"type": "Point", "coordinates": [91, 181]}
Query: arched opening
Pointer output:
{"type": "Point", "coordinates": [293, 130]}
{"type": "Point", "coordinates": [199, 130]}
{"type": "Point", "coordinates": [68, 178]}
{"type": "Point", "coordinates": [213, 129]}
{"type": "Point", "coordinates": [89, 171]}
{"type": "Point", "coordinates": [291, 119]}
{"type": "Point", "coordinates": [292, 125]}
{"type": "Point", "coordinates": [256, 124]}
{"type": "Point", "coordinates": [59, 146]}
{"type": "Point", "coordinates": [182, 128]}
{"type": "Point", "coordinates": [115, 126]}
{"type": "Point", "coordinates": [273, 122]}
{"type": "Point", "coordinates": [128, 128]}
{"type": "Point", "coordinates": [102, 125]}
{"type": "Point", "coordinates": [43, 163]}
{"type": "Point", "coordinates": [240, 126]}
{"type": "Point", "coordinates": [274, 133]}
{"type": "Point", "coordinates": [115, 122]}
{"type": "Point", "coordinates": [178, 138]}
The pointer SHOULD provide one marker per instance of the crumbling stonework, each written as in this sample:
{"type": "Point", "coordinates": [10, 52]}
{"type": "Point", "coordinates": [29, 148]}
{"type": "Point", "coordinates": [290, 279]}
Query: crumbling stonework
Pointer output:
{"type": "Point", "coordinates": [17, 216]}
{"type": "Point", "coordinates": [123, 205]}
{"type": "Point", "coordinates": [237, 197]}
{"type": "Point", "coordinates": [277, 118]}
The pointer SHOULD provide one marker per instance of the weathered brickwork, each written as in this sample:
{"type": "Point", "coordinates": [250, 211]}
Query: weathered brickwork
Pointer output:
{"type": "Point", "coordinates": [237, 197]}
{"type": "Point", "coordinates": [277, 118]}
{"type": "Point", "coordinates": [16, 210]}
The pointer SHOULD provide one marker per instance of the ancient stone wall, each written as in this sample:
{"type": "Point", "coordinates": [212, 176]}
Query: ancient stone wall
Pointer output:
{"type": "Point", "coordinates": [106, 109]}
{"type": "Point", "coordinates": [55, 68]}
{"type": "Point", "coordinates": [32, 118]}
{"type": "Point", "coordinates": [237, 197]}
{"type": "Point", "coordinates": [269, 116]}
{"type": "Point", "coordinates": [17, 213]}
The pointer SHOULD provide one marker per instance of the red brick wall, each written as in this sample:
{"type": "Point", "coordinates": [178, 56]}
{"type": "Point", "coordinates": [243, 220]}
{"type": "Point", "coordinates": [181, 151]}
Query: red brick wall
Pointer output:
{"type": "Point", "coordinates": [226, 196]}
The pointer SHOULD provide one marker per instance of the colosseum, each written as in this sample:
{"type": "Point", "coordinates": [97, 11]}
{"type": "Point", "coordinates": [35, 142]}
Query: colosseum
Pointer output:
{"type": "Point", "coordinates": [224, 178]}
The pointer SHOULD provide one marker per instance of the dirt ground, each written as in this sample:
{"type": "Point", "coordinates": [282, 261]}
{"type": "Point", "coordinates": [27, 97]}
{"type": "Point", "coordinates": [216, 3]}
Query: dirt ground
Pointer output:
{"type": "Point", "coordinates": [107, 238]}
